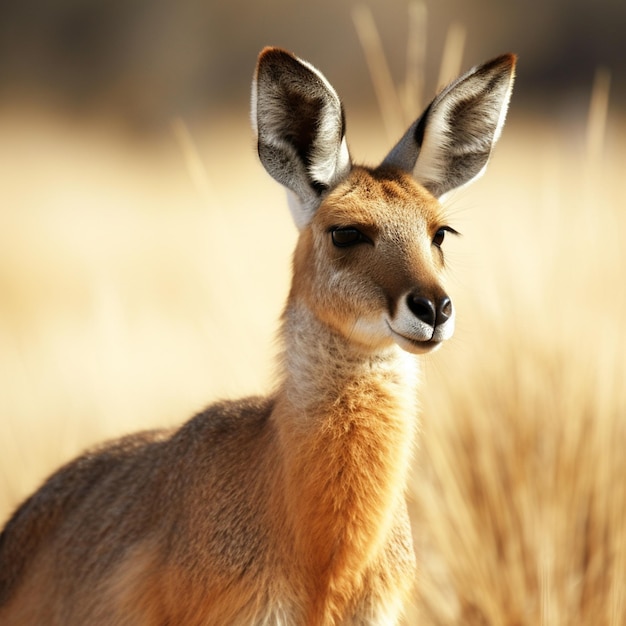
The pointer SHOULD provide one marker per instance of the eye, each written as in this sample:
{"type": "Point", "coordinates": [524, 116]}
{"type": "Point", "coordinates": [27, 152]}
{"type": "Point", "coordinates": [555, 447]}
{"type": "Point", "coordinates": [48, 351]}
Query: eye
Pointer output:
{"type": "Point", "coordinates": [440, 235]}
{"type": "Point", "coordinates": [348, 236]}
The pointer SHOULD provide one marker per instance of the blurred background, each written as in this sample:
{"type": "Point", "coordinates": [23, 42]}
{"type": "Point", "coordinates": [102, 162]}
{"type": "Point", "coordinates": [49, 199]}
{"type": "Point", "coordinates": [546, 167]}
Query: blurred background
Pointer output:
{"type": "Point", "coordinates": [144, 261]}
{"type": "Point", "coordinates": [144, 62]}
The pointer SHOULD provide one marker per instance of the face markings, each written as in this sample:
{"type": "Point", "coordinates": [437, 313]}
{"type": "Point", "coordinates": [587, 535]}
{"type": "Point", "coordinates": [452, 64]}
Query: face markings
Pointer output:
{"type": "Point", "coordinates": [388, 209]}
{"type": "Point", "coordinates": [380, 200]}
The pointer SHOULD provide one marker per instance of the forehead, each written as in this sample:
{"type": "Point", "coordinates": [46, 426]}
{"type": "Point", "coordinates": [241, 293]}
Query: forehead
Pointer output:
{"type": "Point", "coordinates": [379, 197]}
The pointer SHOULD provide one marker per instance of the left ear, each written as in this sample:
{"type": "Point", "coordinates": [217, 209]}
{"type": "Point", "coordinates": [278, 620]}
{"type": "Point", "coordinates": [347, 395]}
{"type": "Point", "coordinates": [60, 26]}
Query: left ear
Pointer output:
{"type": "Point", "coordinates": [450, 144]}
{"type": "Point", "coordinates": [300, 128]}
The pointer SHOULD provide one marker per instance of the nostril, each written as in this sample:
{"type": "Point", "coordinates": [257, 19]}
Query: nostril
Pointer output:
{"type": "Point", "coordinates": [422, 308]}
{"type": "Point", "coordinates": [444, 310]}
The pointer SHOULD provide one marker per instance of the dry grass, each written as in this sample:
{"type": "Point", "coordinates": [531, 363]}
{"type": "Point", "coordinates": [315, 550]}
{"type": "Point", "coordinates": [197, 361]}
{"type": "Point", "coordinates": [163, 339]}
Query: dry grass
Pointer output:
{"type": "Point", "coordinates": [131, 296]}
{"type": "Point", "coordinates": [519, 493]}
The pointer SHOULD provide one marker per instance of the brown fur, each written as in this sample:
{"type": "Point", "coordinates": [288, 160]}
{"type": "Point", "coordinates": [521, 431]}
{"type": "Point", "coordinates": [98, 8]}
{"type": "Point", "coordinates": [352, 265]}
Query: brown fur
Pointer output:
{"type": "Point", "coordinates": [288, 509]}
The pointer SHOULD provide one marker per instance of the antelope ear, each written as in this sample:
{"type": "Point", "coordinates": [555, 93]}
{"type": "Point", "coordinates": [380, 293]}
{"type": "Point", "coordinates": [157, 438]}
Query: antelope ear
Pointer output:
{"type": "Point", "coordinates": [300, 127]}
{"type": "Point", "coordinates": [450, 144]}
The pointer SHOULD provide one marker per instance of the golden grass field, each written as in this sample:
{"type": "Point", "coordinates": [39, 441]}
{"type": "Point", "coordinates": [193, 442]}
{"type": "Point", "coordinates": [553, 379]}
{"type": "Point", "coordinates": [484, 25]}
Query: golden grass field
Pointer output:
{"type": "Point", "coordinates": [142, 279]}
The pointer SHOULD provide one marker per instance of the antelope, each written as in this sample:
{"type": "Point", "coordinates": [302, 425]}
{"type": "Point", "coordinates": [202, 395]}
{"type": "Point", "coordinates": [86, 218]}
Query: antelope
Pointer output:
{"type": "Point", "coordinates": [287, 509]}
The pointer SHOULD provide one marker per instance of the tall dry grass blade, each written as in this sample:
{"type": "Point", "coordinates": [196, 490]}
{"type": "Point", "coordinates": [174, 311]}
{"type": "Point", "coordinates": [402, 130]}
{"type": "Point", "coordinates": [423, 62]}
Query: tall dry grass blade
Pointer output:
{"type": "Point", "coordinates": [597, 116]}
{"type": "Point", "coordinates": [452, 56]}
{"type": "Point", "coordinates": [195, 165]}
{"type": "Point", "coordinates": [595, 138]}
{"type": "Point", "coordinates": [618, 595]}
{"type": "Point", "coordinates": [386, 93]}
{"type": "Point", "coordinates": [413, 88]}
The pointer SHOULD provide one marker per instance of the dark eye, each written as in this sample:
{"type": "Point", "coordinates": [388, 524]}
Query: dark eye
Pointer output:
{"type": "Point", "coordinates": [440, 235]}
{"type": "Point", "coordinates": [349, 236]}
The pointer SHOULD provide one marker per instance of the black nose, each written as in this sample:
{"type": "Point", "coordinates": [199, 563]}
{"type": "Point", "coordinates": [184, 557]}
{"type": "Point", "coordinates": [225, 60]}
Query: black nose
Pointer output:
{"type": "Point", "coordinates": [429, 312]}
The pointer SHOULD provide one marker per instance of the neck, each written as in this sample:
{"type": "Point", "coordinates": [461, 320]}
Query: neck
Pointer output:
{"type": "Point", "coordinates": [320, 365]}
{"type": "Point", "coordinates": [346, 419]}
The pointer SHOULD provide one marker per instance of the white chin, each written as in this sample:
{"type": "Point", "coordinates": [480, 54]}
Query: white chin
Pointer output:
{"type": "Point", "coordinates": [416, 347]}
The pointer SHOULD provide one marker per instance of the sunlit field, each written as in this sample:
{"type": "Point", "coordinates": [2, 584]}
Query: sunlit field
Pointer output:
{"type": "Point", "coordinates": [141, 279]}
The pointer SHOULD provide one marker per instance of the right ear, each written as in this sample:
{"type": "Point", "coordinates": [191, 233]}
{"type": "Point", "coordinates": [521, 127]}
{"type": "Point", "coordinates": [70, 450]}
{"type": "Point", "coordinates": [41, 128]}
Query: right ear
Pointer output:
{"type": "Point", "coordinates": [450, 144]}
{"type": "Point", "coordinates": [300, 127]}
